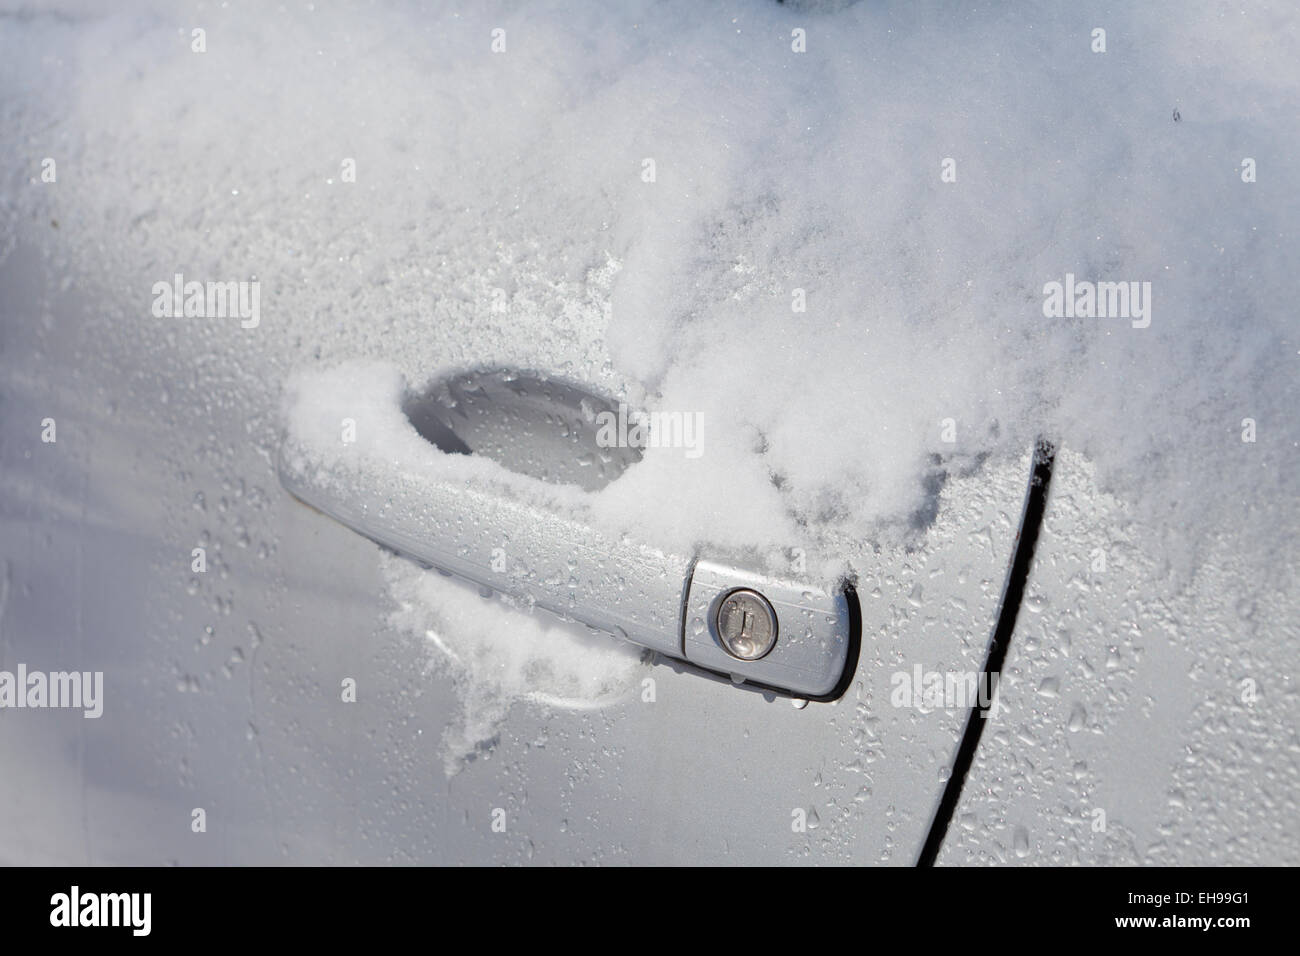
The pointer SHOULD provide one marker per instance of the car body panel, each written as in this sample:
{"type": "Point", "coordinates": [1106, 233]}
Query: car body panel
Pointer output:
{"type": "Point", "coordinates": [223, 688]}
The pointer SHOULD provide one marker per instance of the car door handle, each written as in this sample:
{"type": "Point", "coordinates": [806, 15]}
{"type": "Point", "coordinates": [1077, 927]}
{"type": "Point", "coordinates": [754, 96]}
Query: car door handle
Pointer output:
{"type": "Point", "coordinates": [786, 635]}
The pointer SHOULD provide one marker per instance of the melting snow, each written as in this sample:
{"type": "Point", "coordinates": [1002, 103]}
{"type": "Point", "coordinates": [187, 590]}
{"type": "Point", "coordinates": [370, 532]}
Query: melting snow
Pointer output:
{"type": "Point", "coordinates": [501, 212]}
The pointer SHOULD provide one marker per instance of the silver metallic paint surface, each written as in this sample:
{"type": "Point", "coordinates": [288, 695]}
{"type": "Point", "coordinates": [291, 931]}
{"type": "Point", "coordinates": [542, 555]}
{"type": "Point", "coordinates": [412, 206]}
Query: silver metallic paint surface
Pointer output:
{"type": "Point", "coordinates": [222, 690]}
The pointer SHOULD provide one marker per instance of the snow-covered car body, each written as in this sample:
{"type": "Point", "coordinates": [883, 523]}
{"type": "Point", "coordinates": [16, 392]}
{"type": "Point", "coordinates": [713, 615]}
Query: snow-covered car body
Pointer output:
{"type": "Point", "coordinates": [825, 237]}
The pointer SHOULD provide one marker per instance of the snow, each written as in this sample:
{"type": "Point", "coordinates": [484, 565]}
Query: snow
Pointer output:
{"type": "Point", "coordinates": [350, 418]}
{"type": "Point", "coordinates": [496, 656]}
{"type": "Point", "coordinates": [500, 214]}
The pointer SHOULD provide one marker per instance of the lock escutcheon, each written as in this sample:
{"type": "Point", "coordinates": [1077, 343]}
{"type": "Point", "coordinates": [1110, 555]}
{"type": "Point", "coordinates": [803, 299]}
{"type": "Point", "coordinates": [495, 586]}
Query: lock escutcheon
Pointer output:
{"type": "Point", "coordinates": [746, 624]}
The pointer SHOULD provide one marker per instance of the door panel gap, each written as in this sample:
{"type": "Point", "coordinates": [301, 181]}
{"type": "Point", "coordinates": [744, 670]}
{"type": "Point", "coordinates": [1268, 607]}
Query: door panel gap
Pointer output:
{"type": "Point", "coordinates": [1012, 595]}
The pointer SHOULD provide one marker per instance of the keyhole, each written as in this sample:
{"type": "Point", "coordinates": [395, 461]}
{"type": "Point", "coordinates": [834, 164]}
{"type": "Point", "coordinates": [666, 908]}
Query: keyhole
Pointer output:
{"type": "Point", "coordinates": [746, 624]}
{"type": "Point", "coordinates": [746, 619]}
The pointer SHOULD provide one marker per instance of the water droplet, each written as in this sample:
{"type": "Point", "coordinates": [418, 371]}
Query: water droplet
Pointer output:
{"type": "Point", "coordinates": [1077, 718]}
{"type": "Point", "coordinates": [1021, 842]}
